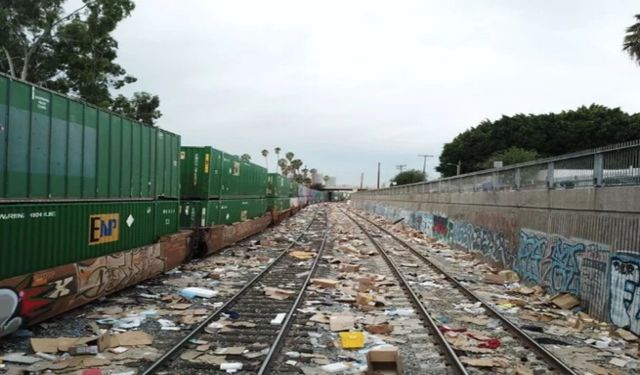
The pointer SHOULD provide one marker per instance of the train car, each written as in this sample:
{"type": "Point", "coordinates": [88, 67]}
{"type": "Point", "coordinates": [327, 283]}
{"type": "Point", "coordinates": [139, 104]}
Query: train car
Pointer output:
{"type": "Point", "coordinates": [54, 148]}
{"type": "Point", "coordinates": [208, 173]}
{"type": "Point", "coordinates": [92, 202]}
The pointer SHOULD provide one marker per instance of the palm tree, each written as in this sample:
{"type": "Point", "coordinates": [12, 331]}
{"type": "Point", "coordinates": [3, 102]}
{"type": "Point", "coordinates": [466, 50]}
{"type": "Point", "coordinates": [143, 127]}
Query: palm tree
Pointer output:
{"type": "Point", "coordinates": [631, 42]}
{"type": "Point", "coordinates": [295, 167]}
{"type": "Point", "coordinates": [277, 151]}
{"type": "Point", "coordinates": [284, 166]}
{"type": "Point", "coordinates": [266, 161]}
{"type": "Point", "coordinates": [289, 158]}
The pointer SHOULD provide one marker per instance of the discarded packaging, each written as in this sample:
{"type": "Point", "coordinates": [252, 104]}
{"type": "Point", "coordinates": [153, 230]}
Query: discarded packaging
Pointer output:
{"type": "Point", "coordinates": [302, 255]}
{"type": "Point", "coordinates": [352, 340]}
{"type": "Point", "coordinates": [384, 360]}
{"type": "Point", "coordinates": [324, 283]}
{"type": "Point", "coordinates": [379, 329]}
{"type": "Point", "coordinates": [231, 366]}
{"type": "Point", "coordinates": [278, 319]}
{"type": "Point", "coordinates": [502, 277]}
{"type": "Point", "coordinates": [278, 294]}
{"type": "Point", "coordinates": [565, 301]}
{"type": "Point", "coordinates": [192, 292]}
{"type": "Point", "coordinates": [341, 322]}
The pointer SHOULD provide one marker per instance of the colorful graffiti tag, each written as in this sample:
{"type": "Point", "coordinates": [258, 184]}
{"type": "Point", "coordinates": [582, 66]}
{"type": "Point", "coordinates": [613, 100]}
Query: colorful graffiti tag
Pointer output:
{"type": "Point", "coordinates": [440, 227]}
{"type": "Point", "coordinates": [34, 297]}
{"type": "Point", "coordinates": [624, 291]}
{"type": "Point", "coordinates": [492, 244]}
{"type": "Point", "coordinates": [107, 274]}
{"type": "Point", "coordinates": [553, 260]}
{"type": "Point", "coordinates": [9, 322]}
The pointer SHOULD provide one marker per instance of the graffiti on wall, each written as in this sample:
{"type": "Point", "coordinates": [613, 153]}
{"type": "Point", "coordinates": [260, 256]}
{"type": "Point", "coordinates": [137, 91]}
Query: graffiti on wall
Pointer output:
{"type": "Point", "coordinates": [492, 244]}
{"type": "Point", "coordinates": [37, 296]}
{"type": "Point", "coordinates": [422, 222]}
{"type": "Point", "coordinates": [624, 291]}
{"type": "Point", "coordinates": [9, 322]}
{"type": "Point", "coordinates": [556, 261]}
{"type": "Point", "coordinates": [593, 276]}
{"type": "Point", "coordinates": [440, 227]}
{"type": "Point", "coordinates": [107, 274]}
{"type": "Point", "coordinates": [562, 264]}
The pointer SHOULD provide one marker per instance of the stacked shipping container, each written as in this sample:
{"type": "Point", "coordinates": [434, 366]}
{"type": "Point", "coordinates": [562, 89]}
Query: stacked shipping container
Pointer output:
{"type": "Point", "coordinates": [279, 190]}
{"type": "Point", "coordinates": [78, 182]}
{"type": "Point", "coordinates": [219, 188]}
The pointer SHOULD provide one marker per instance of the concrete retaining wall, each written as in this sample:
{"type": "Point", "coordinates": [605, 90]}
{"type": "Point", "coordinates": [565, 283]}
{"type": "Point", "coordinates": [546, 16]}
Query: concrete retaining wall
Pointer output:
{"type": "Point", "coordinates": [581, 241]}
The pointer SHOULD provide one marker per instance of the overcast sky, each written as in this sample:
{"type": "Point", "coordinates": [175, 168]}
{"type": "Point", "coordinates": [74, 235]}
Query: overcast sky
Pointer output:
{"type": "Point", "coordinates": [345, 84]}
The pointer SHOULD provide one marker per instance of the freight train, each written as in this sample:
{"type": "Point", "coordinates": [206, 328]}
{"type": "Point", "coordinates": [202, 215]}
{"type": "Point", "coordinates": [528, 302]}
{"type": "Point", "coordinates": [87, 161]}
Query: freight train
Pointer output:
{"type": "Point", "coordinates": [92, 202]}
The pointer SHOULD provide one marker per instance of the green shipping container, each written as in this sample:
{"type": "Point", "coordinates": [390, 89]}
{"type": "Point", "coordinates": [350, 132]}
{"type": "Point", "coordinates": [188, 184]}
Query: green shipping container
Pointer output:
{"type": "Point", "coordinates": [278, 186]}
{"type": "Point", "coordinates": [293, 189]}
{"type": "Point", "coordinates": [39, 236]}
{"type": "Point", "coordinates": [237, 210]}
{"type": "Point", "coordinates": [200, 172]}
{"type": "Point", "coordinates": [278, 204]}
{"type": "Point", "coordinates": [199, 213]}
{"type": "Point", "coordinates": [56, 148]}
{"type": "Point", "coordinates": [242, 179]}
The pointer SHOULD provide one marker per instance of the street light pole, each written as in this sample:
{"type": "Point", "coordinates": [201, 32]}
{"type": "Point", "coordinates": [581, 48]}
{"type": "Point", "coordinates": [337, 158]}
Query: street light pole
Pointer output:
{"type": "Point", "coordinates": [458, 167]}
{"type": "Point", "coordinates": [424, 164]}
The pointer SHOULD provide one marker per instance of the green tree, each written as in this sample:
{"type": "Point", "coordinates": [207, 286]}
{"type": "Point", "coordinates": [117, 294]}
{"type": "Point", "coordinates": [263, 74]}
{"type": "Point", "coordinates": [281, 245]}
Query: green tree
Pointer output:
{"type": "Point", "coordinates": [512, 155]}
{"type": "Point", "coordinates": [265, 153]}
{"type": "Point", "coordinates": [408, 177]}
{"type": "Point", "coordinates": [547, 134]}
{"type": "Point", "coordinates": [142, 107]}
{"type": "Point", "coordinates": [70, 53]}
{"type": "Point", "coordinates": [284, 166]}
{"type": "Point", "coordinates": [631, 43]}
{"type": "Point", "coordinates": [277, 152]}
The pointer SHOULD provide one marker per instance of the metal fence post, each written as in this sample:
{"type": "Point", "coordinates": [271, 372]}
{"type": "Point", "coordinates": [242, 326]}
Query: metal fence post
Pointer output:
{"type": "Point", "coordinates": [598, 169]}
{"type": "Point", "coordinates": [550, 181]}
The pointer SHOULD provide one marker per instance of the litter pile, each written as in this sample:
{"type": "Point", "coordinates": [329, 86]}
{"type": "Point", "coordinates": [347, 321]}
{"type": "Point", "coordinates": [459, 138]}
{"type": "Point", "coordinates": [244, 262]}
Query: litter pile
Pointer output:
{"type": "Point", "coordinates": [124, 332]}
{"type": "Point", "coordinates": [557, 321]}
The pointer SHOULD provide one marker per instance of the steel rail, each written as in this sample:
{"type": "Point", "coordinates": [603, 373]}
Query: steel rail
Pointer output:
{"type": "Point", "coordinates": [449, 352]}
{"type": "Point", "coordinates": [286, 325]}
{"type": "Point", "coordinates": [529, 342]}
{"type": "Point", "coordinates": [177, 347]}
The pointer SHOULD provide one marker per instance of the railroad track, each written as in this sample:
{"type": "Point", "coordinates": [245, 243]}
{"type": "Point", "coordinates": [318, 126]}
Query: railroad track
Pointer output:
{"type": "Point", "coordinates": [246, 319]}
{"type": "Point", "coordinates": [523, 351]}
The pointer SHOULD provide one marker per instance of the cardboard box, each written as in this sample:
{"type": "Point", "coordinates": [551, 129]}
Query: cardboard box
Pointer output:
{"type": "Point", "coordinates": [384, 361]}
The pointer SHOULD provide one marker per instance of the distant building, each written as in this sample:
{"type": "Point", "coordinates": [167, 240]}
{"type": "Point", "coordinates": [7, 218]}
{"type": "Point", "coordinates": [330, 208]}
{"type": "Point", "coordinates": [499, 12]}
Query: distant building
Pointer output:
{"type": "Point", "coordinates": [317, 178]}
{"type": "Point", "coordinates": [332, 181]}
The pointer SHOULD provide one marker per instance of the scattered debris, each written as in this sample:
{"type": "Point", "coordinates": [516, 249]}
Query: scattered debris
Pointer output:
{"type": "Point", "coordinates": [565, 301]}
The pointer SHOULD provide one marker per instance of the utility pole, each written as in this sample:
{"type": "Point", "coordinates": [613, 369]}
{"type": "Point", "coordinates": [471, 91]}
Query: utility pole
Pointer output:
{"type": "Point", "coordinates": [378, 184]}
{"type": "Point", "coordinates": [400, 167]}
{"type": "Point", "coordinates": [424, 164]}
{"type": "Point", "coordinates": [361, 179]}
